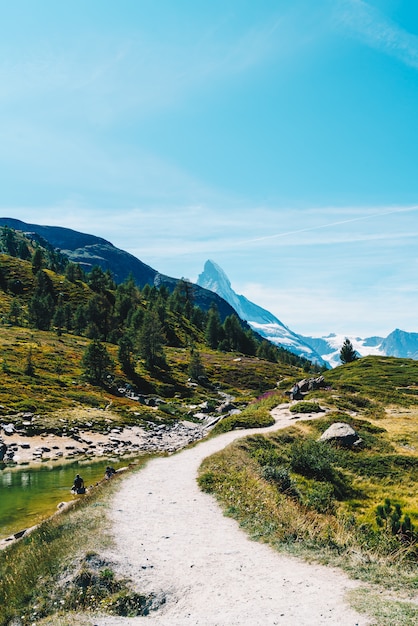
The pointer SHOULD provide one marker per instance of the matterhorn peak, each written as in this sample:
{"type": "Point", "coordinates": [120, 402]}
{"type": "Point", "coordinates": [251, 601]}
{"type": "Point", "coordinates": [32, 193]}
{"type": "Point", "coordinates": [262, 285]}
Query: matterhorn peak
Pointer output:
{"type": "Point", "coordinates": [262, 321]}
{"type": "Point", "coordinates": [214, 278]}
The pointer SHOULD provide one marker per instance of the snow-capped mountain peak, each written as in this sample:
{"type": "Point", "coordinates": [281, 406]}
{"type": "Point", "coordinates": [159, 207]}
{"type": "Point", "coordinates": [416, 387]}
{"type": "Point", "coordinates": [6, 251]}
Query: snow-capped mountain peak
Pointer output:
{"type": "Point", "coordinates": [262, 321]}
{"type": "Point", "coordinates": [215, 277]}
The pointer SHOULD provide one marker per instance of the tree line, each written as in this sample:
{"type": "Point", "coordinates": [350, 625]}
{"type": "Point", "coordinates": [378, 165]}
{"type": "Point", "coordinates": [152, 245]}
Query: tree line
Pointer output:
{"type": "Point", "coordinates": [141, 321]}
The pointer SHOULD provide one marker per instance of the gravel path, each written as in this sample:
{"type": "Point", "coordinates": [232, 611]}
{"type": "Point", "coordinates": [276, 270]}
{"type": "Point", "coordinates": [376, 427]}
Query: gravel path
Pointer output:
{"type": "Point", "coordinates": [173, 540]}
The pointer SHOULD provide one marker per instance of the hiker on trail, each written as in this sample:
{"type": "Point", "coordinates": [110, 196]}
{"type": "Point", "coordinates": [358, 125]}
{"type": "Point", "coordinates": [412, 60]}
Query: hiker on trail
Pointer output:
{"type": "Point", "coordinates": [78, 485]}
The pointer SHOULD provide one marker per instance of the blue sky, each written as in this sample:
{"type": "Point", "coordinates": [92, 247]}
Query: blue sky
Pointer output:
{"type": "Point", "coordinates": [279, 139]}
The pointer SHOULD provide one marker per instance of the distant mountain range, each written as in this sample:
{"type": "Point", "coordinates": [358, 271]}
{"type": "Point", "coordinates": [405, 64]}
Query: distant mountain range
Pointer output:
{"type": "Point", "coordinates": [214, 287]}
{"type": "Point", "coordinates": [318, 349]}
{"type": "Point", "coordinates": [398, 343]}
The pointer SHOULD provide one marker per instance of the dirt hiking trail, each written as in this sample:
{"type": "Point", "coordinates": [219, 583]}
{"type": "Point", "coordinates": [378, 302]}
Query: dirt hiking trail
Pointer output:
{"type": "Point", "coordinates": [173, 540]}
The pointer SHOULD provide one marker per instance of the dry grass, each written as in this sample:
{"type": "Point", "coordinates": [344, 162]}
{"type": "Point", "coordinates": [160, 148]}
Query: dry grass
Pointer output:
{"type": "Point", "coordinates": [401, 427]}
{"type": "Point", "coordinates": [384, 611]}
{"type": "Point", "coordinates": [66, 619]}
{"type": "Point", "coordinates": [346, 536]}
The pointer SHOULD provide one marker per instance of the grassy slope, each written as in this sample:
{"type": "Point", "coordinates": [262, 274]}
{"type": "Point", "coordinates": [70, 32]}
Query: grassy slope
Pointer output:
{"type": "Point", "coordinates": [341, 538]}
{"type": "Point", "coordinates": [382, 380]}
{"type": "Point", "coordinates": [58, 384]}
{"type": "Point", "coordinates": [330, 515]}
{"type": "Point", "coordinates": [14, 268]}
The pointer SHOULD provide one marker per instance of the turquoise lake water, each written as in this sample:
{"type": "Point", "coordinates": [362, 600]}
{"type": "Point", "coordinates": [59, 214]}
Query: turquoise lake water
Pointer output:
{"type": "Point", "coordinates": [28, 495]}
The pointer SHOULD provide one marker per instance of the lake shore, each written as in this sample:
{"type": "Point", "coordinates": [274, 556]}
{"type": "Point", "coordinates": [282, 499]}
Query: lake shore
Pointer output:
{"type": "Point", "coordinates": [118, 442]}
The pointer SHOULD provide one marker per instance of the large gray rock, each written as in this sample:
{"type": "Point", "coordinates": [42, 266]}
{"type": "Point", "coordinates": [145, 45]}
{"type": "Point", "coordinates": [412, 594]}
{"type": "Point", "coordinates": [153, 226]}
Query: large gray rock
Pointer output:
{"type": "Point", "coordinates": [310, 384]}
{"type": "Point", "coordinates": [306, 385]}
{"type": "Point", "coordinates": [341, 433]}
{"type": "Point", "coordinates": [226, 407]}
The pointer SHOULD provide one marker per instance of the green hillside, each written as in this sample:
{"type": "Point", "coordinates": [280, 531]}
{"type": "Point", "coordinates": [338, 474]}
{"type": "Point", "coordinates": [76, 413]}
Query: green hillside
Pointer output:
{"type": "Point", "coordinates": [357, 507]}
{"type": "Point", "coordinates": [352, 508]}
{"type": "Point", "coordinates": [52, 313]}
{"type": "Point", "coordinates": [381, 381]}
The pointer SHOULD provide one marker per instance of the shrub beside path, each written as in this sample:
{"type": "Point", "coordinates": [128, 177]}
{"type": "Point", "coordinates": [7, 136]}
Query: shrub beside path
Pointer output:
{"type": "Point", "coordinates": [171, 539]}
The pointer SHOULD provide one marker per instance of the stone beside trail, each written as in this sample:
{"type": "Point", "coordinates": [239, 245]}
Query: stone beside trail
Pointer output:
{"type": "Point", "coordinates": [172, 540]}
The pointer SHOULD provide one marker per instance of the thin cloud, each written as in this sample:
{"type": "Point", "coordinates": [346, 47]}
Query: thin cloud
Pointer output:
{"type": "Point", "coordinates": [207, 230]}
{"type": "Point", "coordinates": [378, 31]}
{"type": "Point", "coordinates": [331, 224]}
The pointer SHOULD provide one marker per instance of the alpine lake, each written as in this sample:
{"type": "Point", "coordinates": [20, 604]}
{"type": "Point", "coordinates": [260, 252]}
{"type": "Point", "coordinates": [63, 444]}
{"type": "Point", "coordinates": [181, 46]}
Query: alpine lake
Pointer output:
{"type": "Point", "coordinates": [29, 494]}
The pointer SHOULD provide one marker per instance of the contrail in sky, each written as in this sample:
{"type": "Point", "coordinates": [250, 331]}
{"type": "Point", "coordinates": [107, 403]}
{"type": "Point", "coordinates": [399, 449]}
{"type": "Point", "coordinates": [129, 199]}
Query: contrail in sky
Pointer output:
{"type": "Point", "coordinates": [321, 226]}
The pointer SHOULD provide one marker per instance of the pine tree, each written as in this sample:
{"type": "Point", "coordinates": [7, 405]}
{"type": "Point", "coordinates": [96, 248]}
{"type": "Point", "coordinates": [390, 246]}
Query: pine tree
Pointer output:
{"type": "Point", "coordinates": [196, 368]}
{"type": "Point", "coordinates": [41, 306]}
{"type": "Point", "coordinates": [23, 251]}
{"type": "Point", "coordinates": [73, 272]}
{"type": "Point", "coordinates": [15, 312]}
{"type": "Point", "coordinates": [37, 260]}
{"type": "Point", "coordinates": [59, 319]}
{"type": "Point", "coordinates": [9, 241]}
{"type": "Point", "coordinates": [29, 368]}
{"type": "Point", "coordinates": [99, 315]}
{"type": "Point", "coordinates": [99, 280]}
{"type": "Point", "coordinates": [80, 319]}
{"type": "Point", "coordinates": [96, 362]}
{"type": "Point", "coordinates": [347, 352]}
{"type": "Point", "coordinates": [151, 340]}
{"type": "Point", "coordinates": [213, 330]}
{"type": "Point", "coordinates": [40, 311]}
{"type": "Point", "coordinates": [126, 354]}
{"type": "Point", "coordinates": [267, 351]}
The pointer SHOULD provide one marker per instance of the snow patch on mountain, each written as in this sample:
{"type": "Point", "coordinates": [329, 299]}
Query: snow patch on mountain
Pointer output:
{"type": "Point", "coordinates": [329, 346]}
{"type": "Point", "coordinates": [398, 343]}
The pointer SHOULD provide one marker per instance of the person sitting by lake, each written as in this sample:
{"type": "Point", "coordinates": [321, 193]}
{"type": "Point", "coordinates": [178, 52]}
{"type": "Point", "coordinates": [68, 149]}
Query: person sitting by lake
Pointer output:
{"type": "Point", "coordinates": [78, 486]}
{"type": "Point", "coordinates": [109, 472]}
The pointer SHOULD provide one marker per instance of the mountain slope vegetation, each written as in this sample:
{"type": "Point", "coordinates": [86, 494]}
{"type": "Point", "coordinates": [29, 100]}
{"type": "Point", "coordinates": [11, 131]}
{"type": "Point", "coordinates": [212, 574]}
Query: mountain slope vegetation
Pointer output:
{"type": "Point", "coordinates": [88, 251]}
{"type": "Point", "coordinates": [54, 315]}
{"type": "Point", "coordinates": [347, 508]}
{"type": "Point", "coordinates": [354, 507]}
